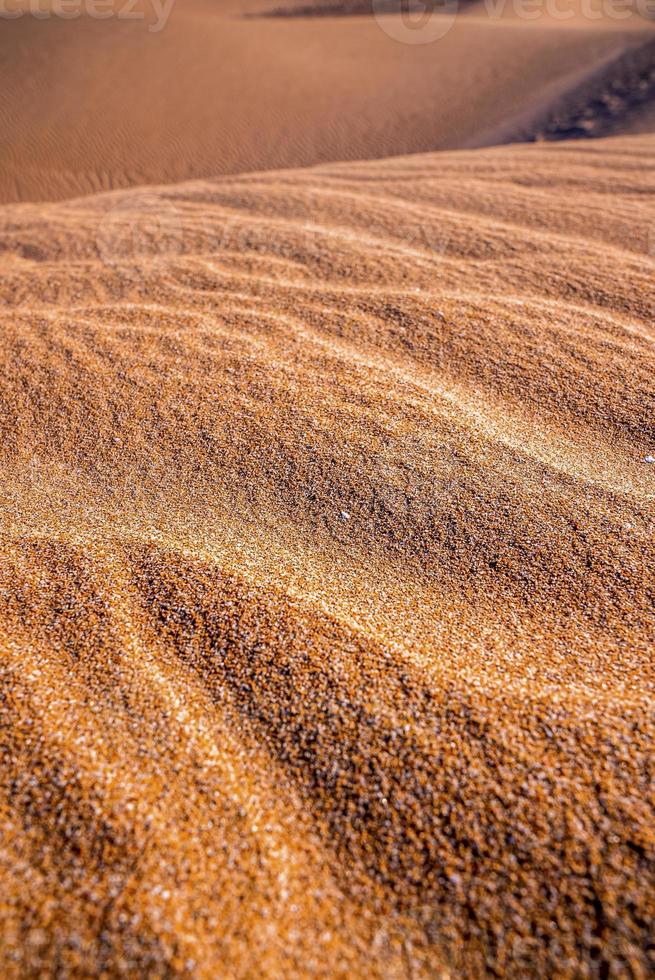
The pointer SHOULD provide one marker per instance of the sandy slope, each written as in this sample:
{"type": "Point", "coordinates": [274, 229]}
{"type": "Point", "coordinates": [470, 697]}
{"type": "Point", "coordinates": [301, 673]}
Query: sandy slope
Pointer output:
{"type": "Point", "coordinates": [328, 572]}
{"type": "Point", "coordinates": [89, 105]}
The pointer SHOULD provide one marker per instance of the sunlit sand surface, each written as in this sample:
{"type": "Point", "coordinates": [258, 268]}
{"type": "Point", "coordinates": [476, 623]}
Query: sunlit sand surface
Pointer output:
{"type": "Point", "coordinates": [327, 580]}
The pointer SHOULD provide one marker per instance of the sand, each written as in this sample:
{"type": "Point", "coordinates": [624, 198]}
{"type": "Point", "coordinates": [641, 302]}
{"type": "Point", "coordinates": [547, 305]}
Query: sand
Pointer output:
{"type": "Point", "coordinates": [327, 594]}
{"type": "Point", "coordinates": [89, 105]}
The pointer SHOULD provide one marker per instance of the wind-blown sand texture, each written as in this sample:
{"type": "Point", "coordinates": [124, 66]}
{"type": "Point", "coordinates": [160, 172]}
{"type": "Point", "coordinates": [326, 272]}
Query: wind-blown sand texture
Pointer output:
{"type": "Point", "coordinates": [328, 572]}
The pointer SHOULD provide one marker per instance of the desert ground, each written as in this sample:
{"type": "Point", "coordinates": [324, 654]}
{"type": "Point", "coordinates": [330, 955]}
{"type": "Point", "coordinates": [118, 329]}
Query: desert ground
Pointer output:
{"type": "Point", "coordinates": [327, 498]}
{"type": "Point", "coordinates": [89, 105]}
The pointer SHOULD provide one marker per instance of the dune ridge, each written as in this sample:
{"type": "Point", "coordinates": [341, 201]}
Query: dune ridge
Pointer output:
{"type": "Point", "coordinates": [327, 571]}
{"type": "Point", "coordinates": [618, 98]}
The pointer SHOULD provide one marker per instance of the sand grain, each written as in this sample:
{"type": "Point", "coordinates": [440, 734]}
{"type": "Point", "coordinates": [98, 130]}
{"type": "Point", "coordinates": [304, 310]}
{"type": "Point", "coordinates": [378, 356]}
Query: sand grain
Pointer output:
{"type": "Point", "coordinates": [243, 735]}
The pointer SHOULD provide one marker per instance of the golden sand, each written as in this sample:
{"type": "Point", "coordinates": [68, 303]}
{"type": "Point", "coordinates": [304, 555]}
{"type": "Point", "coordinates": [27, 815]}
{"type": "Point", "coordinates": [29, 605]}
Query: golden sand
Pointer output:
{"type": "Point", "coordinates": [326, 609]}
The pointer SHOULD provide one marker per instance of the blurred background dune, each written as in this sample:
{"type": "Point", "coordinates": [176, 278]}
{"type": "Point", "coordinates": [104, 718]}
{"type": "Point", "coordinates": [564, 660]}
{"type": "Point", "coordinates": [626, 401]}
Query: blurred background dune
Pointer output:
{"type": "Point", "coordinates": [89, 105]}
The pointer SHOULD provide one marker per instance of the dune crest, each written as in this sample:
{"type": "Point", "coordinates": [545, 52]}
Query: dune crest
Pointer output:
{"type": "Point", "coordinates": [327, 571]}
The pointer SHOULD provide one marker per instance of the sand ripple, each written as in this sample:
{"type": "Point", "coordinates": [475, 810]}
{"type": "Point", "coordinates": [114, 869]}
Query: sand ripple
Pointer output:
{"type": "Point", "coordinates": [326, 601]}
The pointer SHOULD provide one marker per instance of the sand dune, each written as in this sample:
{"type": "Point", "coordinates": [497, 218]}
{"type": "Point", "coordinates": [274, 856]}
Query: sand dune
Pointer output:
{"type": "Point", "coordinates": [618, 97]}
{"type": "Point", "coordinates": [90, 105]}
{"type": "Point", "coordinates": [327, 578]}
